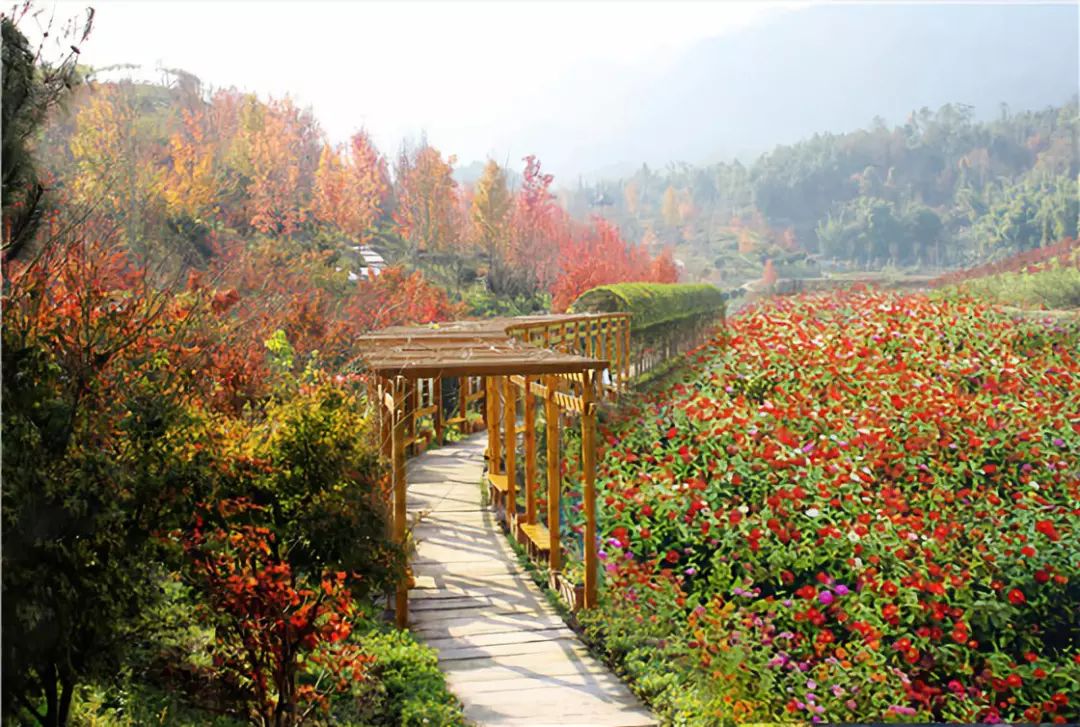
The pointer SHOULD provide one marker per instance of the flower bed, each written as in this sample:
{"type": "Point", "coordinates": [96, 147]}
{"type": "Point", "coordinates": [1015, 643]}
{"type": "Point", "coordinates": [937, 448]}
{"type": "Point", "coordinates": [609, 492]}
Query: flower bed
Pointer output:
{"type": "Point", "coordinates": [861, 507]}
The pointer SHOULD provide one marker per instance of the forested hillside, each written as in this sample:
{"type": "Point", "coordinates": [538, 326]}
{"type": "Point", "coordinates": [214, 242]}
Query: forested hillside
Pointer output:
{"type": "Point", "coordinates": [939, 190]}
{"type": "Point", "coordinates": [187, 174]}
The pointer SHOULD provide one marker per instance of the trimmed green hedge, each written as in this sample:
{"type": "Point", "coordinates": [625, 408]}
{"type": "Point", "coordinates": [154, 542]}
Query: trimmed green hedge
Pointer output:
{"type": "Point", "coordinates": [653, 304]}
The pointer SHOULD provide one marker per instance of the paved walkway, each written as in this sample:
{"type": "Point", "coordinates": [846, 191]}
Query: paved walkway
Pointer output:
{"type": "Point", "coordinates": [505, 651]}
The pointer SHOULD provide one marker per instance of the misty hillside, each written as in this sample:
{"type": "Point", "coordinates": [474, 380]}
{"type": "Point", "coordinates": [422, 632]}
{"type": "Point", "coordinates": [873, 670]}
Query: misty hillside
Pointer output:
{"type": "Point", "coordinates": [831, 68]}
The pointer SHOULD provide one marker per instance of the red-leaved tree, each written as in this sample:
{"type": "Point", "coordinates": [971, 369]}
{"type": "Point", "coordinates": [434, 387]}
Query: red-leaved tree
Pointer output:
{"type": "Point", "coordinates": [280, 642]}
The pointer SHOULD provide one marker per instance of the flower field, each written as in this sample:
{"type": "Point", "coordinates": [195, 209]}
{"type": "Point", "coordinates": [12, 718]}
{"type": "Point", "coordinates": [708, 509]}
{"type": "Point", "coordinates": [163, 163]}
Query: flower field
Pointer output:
{"type": "Point", "coordinates": [859, 507]}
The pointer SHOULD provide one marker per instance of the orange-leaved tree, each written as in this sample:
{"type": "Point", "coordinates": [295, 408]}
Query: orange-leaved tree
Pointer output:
{"type": "Point", "coordinates": [351, 187]}
{"type": "Point", "coordinates": [426, 214]}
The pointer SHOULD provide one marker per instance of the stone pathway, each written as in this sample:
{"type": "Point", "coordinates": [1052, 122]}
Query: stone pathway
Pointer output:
{"type": "Point", "coordinates": [505, 651]}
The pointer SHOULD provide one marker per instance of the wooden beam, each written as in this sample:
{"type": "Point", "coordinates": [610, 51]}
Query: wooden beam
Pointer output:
{"type": "Point", "coordinates": [551, 414]}
{"type": "Point", "coordinates": [510, 450]}
{"type": "Point", "coordinates": [530, 455]}
{"type": "Point", "coordinates": [401, 604]}
{"type": "Point", "coordinates": [588, 461]}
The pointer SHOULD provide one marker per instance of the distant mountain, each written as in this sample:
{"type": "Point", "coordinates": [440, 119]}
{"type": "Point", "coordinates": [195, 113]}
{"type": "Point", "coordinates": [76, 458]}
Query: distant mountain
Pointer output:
{"type": "Point", "coordinates": [828, 68]}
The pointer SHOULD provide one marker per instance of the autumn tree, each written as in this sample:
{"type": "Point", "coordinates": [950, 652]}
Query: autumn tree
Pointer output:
{"type": "Point", "coordinates": [769, 275]}
{"type": "Point", "coordinates": [279, 152]}
{"type": "Point", "coordinates": [271, 626]}
{"type": "Point", "coordinates": [426, 192]}
{"type": "Point", "coordinates": [350, 187]}
{"type": "Point", "coordinates": [536, 227]}
{"type": "Point", "coordinates": [669, 207]}
{"type": "Point", "coordinates": [599, 255]}
{"type": "Point", "coordinates": [490, 221]}
{"type": "Point", "coordinates": [428, 215]}
{"type": "Point", "coordinates": [191, 186]}
{"type": "Point", "coordinates": [119, 164]}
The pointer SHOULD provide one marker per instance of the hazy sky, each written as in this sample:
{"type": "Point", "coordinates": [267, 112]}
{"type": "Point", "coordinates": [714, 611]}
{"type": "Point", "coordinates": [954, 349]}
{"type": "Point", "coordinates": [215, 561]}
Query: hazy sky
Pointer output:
{"type": "Point", "coordinates": [482, 78]}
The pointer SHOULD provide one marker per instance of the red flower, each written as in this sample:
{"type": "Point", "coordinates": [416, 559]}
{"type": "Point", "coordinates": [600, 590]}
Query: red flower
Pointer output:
{"type": "Point", "coordinates": [1016, 597]}
{"type": "Point", "coordinates": [672, 556]}
{"type": "Point", "coordinates": [1046, 527]}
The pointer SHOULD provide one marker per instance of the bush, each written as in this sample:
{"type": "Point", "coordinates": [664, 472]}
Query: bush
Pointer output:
{"type": "Point", "coordinates": [1056, 287]}
{"type": "Point", "coordinates": [404, 686]}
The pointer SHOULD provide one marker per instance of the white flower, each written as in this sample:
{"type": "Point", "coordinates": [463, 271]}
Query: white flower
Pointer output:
{"type": "Point", "coordinates": [743, 509]}
{"type": "Point", "coordinates": [853, 536]}
{"type": "Point", "coordinates": [812, 512]}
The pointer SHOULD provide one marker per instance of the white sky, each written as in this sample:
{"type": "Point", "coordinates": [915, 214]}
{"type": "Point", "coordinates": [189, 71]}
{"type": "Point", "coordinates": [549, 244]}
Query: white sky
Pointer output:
{"type": "Point", "coordinates": [481, 78]}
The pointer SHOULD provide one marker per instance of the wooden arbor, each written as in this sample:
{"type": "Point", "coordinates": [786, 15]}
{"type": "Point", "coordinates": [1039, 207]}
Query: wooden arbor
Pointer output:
{"type": "Point", "coordinates": [502, 354]}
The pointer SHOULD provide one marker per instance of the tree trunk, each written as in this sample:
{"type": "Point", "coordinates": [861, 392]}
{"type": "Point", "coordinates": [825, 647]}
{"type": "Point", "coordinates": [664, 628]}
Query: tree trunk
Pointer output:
{"type": "Point", "coordinates": [52, 706]}
{"type": "Point", "coordinates": [67, 690]}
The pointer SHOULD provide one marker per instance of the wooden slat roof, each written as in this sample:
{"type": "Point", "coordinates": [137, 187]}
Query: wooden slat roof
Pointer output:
{"type": "Point", "coordinates": [468, 348]}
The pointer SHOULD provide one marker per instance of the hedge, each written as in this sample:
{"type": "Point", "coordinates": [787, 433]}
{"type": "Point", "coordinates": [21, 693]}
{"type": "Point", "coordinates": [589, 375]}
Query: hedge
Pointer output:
{"type": "Point", "coordinates": [653, 304]}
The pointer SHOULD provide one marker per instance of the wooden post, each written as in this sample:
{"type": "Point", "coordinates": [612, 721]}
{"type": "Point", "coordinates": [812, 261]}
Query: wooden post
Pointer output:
{"type": "Point", "coordinates": [510, 450]}
{"type": "Point", "coordinates": [401, 606]}
{"type": "Point", "coordinates": [464, 392]}
{"type": "Point", "coordinates": [436, 395]}
{"type": "Point", "coordinates": [554, 484]}
{"type": "Point", "coordinates": [493, 416]}
{"type": "Point", "coordinates": [620, 357]}
{"type": "Point", "coordinates": [386, 422]}
{"type": "Point", "coordinates": [588, 460]}
{"type": "Point", "coordinates": [530, 454]}
{"type": "Point", "coordinates": [411, 394]}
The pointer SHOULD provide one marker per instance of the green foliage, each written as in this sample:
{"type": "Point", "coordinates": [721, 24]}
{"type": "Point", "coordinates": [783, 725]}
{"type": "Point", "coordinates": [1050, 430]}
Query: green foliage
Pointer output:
{"type": "Point", "coordinates": [869, 230]}
{"type": "Point", "coordinates": [653, 304]}
{"type": "Point", "coordinates": [482, 303]}
{"type": "Point", "coordinates": [1057, 287]}
{"type": "Point", "coordinates": [321, 480]}
{"type": "Point", "coordinates": [1035, 212]}
{"type": "Point", "coordinates": [32, 88]}
{"type": "Point", "coordinates": [404, 687]}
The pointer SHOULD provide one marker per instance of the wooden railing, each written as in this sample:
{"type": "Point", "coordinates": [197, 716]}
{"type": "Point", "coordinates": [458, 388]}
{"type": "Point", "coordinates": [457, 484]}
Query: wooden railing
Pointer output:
{"type": "Point", "coordinates": [603, 336]}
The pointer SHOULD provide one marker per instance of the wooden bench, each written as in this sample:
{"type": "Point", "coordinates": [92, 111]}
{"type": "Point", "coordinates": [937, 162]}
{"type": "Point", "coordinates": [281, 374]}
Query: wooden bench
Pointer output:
{"type": "Point", "coordinates": [499, 486]}
{"type": "Point", "coordinates": [536, 539]}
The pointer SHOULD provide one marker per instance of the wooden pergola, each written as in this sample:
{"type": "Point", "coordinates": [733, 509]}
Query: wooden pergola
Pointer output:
{"type": "Point", "coordinates": [558, 361]}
